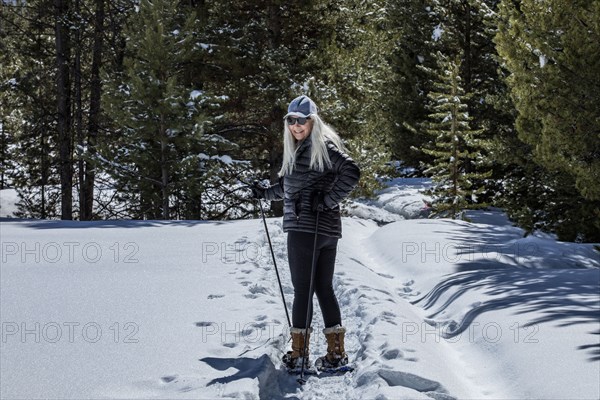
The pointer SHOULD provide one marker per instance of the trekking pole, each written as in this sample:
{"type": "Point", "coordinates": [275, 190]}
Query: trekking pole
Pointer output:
{"type": "Point", "coordinates": [301, 380]}
{"type": "Point", "coordinates": [275, 263]}
{"type": "Point", "coordinates": [262, 213]}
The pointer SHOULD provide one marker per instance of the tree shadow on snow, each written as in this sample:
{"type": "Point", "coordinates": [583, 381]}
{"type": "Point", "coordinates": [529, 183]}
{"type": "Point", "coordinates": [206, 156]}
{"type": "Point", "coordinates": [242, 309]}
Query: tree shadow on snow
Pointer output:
{"type": "Point", "coordinates": [60, 224]}
{"type": "Point", "coordinates": [493, 246]}
{"type": "Point", "coordinates": [562, 297]}
{"type": "Point", "coordinates": [532, 276]}
{"type": "Point", "coordinates": [272, 382]}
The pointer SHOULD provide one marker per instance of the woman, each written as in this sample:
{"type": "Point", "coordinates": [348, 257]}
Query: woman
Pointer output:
{"type": "Point", "coordinates": [315, 177]}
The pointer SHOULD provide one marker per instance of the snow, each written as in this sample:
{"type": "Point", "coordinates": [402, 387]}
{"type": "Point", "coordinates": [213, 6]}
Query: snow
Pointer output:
{"type": "Point", "coordinates": [442, 309]}
{"type": "Point", "coordinates": [195, 94]}
{"type": "Point", "coordinates": [437, 32]}
{"type": "Point", "coordinates": [226, 159]}
{"type": "Point", "coordinates": [8, 200]}
{"type": "Point", "coordinates": [401, 199]}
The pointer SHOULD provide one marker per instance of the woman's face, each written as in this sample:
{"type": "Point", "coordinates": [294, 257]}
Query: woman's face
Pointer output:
{"type": "Point", "coordinates": [301, 132]}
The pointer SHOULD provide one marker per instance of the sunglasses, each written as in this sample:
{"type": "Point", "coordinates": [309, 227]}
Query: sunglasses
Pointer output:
{"type": "Point", "coordinates": [299, 120]}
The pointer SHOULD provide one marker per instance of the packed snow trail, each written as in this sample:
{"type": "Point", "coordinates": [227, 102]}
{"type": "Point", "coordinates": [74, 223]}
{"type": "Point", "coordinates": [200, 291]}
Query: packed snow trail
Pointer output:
{"type": "Point", "coordinates": [397, 348]}
{"type": "Point", "coordinates": [384, 368]}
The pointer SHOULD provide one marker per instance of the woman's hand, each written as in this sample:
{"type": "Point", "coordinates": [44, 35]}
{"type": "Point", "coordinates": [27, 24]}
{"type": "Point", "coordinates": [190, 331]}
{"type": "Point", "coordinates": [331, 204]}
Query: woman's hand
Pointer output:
{"type": "Point", "coordinates": [258, 192]}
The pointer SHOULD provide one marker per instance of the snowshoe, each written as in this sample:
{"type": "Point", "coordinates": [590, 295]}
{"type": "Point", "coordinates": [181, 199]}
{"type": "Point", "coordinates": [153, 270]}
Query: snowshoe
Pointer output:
{"type": "Point", "coordinates": [294, 365]}
{"type": "Point", "coordinates": [341, 366]}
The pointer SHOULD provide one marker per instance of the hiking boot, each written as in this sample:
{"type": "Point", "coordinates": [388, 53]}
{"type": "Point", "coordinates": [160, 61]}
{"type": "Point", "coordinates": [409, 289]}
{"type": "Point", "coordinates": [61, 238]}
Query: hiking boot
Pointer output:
{"type": "Point", "coordinates": [336, 355]}
{"type": "Point", "coordinates": [293, 359]}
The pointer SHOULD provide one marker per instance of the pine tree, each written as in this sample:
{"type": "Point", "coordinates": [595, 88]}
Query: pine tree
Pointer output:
{"type": "Point", "coordinates": [6, 85]}
{"type": "Point", "coordinates": [250, 64]}
{"type": "Point", "coordinates": [409, 84]}
{"type": "Point", "coordinates": [32, 99]}
{"type": "Point", "coordinates": [87, 124]}
{"type": "Point", "coordinates": [455, 145]}
{"type": "Point", "coordinates": [154, 158]}
{"type": "Point", "coordinates": [274, 51]}
{"type": "Point", "coordinates": [6, 142]}
{"type": "Point", "coordinates": [28, 106]}
{"type": "Point", "coordinates": [350, 73]}
{"type": "Point", "coordinates": [551, 51]}
{"type": "Point", "coordinates": [464, 28]}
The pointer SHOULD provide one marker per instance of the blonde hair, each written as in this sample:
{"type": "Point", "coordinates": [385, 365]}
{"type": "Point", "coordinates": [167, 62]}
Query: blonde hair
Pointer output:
{"type": "Point", "coordinates": [319, 157]}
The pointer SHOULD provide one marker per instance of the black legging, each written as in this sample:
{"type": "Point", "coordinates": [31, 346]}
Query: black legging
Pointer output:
{"type": "Point", "coordinates": [300, 252]}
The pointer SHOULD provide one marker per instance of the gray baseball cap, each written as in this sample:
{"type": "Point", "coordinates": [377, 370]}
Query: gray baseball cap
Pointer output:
{"type": "Point", "coordinates": [301, 106]}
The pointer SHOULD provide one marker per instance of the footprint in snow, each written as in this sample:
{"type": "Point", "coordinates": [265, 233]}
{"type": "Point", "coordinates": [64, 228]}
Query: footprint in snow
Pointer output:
{"type": "Point", "coordinates": [288, 290]}
{"type": "Point", "coordinates": [164, 387]}
{"type": "Point", "coordinates": [168, 379]}
{"type": "Point", "coordinates": [392, 354]}
{"type": "Point", "coordinates": [407, 291]}
{"type": "Point", "coordinates": [411, 359]}
{"type": "Point", "coordinates": [257, 289]}
{"type": "Point", "coordinates": [257, 325]}
{"type": "Point", "coordinates": [175, 384]}
{"type": "Point", "coordinates": [388, 317]}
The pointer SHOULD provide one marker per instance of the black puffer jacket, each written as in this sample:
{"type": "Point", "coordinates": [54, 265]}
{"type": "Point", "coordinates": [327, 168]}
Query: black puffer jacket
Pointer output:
{"type": "Point", "coordinates": [298, 188]}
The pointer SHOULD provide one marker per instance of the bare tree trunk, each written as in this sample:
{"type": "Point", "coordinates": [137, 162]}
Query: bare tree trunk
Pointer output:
{"type": "Point", "coordinates": [468, 74]}
{"type": "Point", "coordinates": [468, 57]}
{"type": "Point", "coordinates": [63, 96]}
{"type": "Point", "coordinates": [275, 160]}
{"type": "Point", "coordinates": [44, 171]}
{"type": "Point", "coordinates": [94, 115]}
{"type": "Point", "coordinates": [164, 168]}
{"type": "Point", "coordinates": [454, 165]}
{"type": "Point", "coordinates": [3, 141]}
{"type": "Point", "coordinates": [79, 115]}
{"type": "Point", "coordinates": [275, 152]}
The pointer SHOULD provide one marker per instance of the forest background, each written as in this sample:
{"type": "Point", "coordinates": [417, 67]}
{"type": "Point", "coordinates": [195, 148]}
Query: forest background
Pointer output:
{"type": "Point", "coordinates": [128, 109]}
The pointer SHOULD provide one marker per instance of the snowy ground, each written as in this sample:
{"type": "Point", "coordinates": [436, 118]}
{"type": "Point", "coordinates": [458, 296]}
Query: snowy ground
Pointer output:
{"type": "Point", "coordinates": [434, 309]}
{"type": "Point", "coordinates": [8, 201]}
